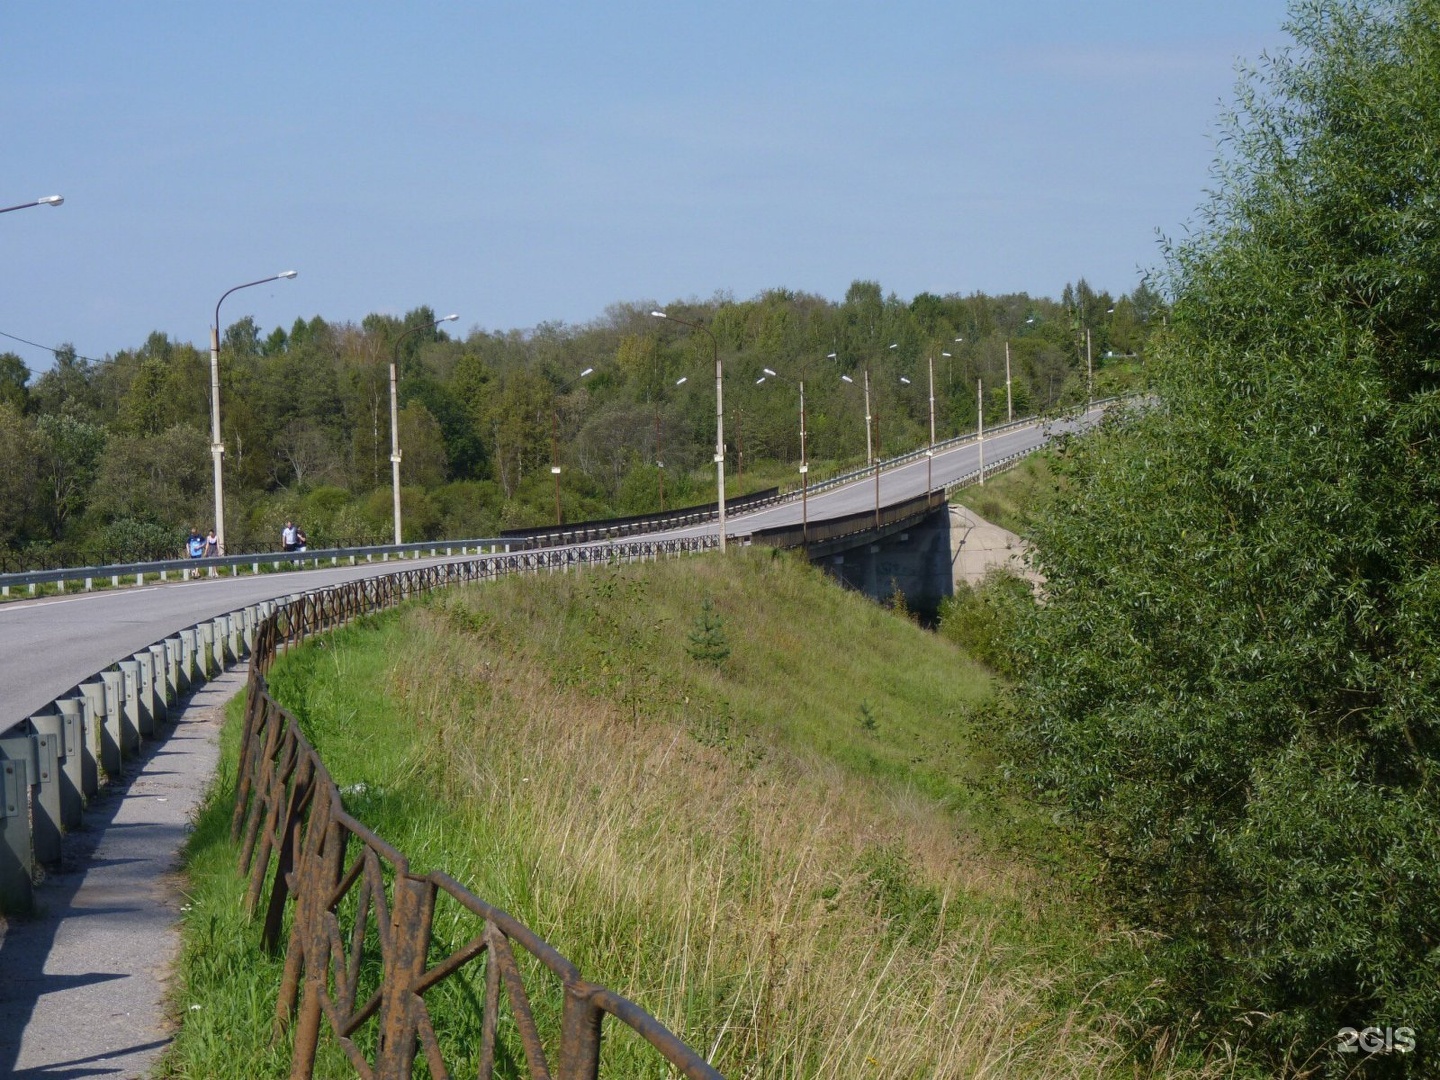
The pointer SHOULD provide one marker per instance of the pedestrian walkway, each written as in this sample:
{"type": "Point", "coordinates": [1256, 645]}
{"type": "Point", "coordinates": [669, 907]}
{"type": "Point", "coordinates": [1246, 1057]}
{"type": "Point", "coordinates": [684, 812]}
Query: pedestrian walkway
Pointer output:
{"type": "Point", "coordinates": [82, 984]}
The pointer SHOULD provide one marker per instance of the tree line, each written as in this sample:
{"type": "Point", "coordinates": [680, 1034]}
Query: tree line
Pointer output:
{"type": "Point", "coordinates": [109, 460]}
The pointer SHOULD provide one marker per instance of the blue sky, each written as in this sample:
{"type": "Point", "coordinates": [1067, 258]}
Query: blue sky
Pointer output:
{"type": "Point", "coordinates": [519, 163]}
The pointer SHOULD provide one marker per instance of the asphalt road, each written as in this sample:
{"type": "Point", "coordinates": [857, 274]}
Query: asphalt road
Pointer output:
{"type": "Point", "coordinates": [49, 645]}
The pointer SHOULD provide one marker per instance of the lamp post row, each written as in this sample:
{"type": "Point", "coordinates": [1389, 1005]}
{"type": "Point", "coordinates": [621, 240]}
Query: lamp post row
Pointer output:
{"type": "Point", "coordinates": [217, 447]}
{"type": "Point", "coordinates": [719, 415]}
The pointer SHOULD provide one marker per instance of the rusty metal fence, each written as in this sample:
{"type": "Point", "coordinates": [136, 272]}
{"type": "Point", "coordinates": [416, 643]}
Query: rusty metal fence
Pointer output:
{"type": "Point", "coordinates": [362, 953]}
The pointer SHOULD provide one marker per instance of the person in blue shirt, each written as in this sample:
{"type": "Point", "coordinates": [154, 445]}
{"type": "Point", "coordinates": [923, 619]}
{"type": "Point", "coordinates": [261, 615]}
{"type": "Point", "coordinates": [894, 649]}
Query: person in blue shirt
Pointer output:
{"type": "Point", "coordinates": [195, 546]}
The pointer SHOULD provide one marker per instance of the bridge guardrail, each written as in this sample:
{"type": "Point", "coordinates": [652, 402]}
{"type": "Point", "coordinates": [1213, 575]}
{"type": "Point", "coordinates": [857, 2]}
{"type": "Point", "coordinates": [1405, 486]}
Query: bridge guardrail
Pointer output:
{"type": "Point", "coordinates": [160, 570]}
{"type": "Point", "coordinates": [793, 536]}
{"type": "Point", "coordinates": [582, 532]}
{"type": "Point", "coordinates": [187, 568]}
{"type": "Point", "coordinates": [946, 444]}
{"type": "Point", "coordinates": [126, 703]}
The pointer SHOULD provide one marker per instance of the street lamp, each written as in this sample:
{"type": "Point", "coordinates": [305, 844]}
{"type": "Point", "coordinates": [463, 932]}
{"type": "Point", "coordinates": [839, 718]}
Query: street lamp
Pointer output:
{"type": "Point", "coordinates": [804, 461]}
{"type": "Point", "coordinates": [875, 458]}
{"type": "Point", "coordinates": [395, 416]}
{"type": "Point", "coordinates": [217, 448]}
{"type": "Point", "coordinates": [555, 438]}
{"type": "Point", "coordinates": [48, 200]}
{"type": "Point", "coordinates": [719, 416]}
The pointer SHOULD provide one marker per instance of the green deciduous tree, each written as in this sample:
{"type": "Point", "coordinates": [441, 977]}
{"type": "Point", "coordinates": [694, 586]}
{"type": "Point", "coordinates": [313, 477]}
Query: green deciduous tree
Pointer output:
{"type": "Point", "coordinates": [67, 455]}
{"type": "Point", "coordinates": [17, 473]}
{"type": "Point", "coordinates": [14, 376]}
{"type": "Point", "coordinates": [1234, 682]}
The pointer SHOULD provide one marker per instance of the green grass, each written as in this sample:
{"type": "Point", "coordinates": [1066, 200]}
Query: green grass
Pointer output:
{"type": "Point", "coordinates": [1007, 499]}
{"type": "Point", "coordinates": [798, 856]}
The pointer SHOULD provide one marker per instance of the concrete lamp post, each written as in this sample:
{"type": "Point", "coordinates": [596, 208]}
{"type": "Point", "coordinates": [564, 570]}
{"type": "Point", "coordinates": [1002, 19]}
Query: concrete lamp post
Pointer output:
{"type": "Point", "coordinates": [719, 416]}
{"type": "Point", "coordinates": [872, 458]}
{"type": "Point", "coordinates": [395, 415]}
{"type": "Point", "coordinates": [217, 448]}
{"type": "Point", "coordinates": [804, 461]}
{"type": "Point", "coordinates": [555, 439]}
{"type": "Point", "coordinates": [48, 200]}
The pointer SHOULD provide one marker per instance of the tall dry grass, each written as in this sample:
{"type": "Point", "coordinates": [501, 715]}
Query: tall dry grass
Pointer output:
{"type": "Point", "coordinates": [785, 915]}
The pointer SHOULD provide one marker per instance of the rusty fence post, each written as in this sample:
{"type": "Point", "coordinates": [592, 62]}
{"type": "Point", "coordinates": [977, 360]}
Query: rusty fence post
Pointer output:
{"type": "Point", "coordinates": [401, 1008]}
{"type": "Point", "coordinates": [580, 1023]}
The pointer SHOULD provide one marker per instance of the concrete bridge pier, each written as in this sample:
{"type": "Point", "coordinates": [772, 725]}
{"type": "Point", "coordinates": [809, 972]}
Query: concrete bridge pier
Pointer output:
{"type": "Point", "coordinates": [912, 561]}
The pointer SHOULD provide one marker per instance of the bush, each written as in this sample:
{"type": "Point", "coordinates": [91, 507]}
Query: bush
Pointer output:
{"type": "Point", "coordinates": [981, 619]}
{"type": "Point", "coordinates": [1233, 681]}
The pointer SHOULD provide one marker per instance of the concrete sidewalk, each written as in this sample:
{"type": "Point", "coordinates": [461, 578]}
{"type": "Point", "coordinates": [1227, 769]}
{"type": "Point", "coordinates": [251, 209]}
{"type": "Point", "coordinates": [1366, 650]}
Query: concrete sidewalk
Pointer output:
{"type": "Point", "coordinates": [82, 985]}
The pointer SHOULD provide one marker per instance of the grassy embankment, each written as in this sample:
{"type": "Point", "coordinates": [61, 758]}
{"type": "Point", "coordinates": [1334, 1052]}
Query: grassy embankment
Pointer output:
{"type": "Point", "coordinates": [796, 857]}
{"type": "Point", "coordinates": [1006, 498]}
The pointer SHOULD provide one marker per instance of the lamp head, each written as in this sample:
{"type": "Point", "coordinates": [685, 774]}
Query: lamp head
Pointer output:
{"type": "Point", "coordinates": [587, 371]}
{"type": "Point", "coordinates": [682, 380]}
{"type": "Point", "coordinates": [659, 315]}
{"type": "Point", "coordinates": [767, 371]}
{"type": "Point", "coordinates": [51, 200]}
{"type": "Point", "coordinates": [450, 318]}
{"type": "Point", "coordinates": [846, 378]}
{"type": "Point", "coordinates": [287, 274]}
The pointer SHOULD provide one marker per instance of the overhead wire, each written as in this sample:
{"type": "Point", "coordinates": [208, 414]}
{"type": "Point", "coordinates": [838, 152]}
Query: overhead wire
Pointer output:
{"type": "Point", "coordinates": [47, 348]}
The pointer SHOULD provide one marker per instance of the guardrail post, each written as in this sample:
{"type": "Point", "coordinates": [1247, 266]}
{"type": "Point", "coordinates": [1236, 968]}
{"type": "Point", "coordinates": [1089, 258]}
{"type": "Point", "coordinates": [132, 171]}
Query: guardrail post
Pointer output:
{"type": "Point", "coordinates": [130, 706]}
{"type": "Point", "coordinates": [164, 689]}
{"type": "Point", "coordinates": [112, 729]}
{"type": "Point", "coordinates": [190, 656]}
{"type": "Point", "coordinates": [206, 648]}
{"type": "Point", "coordinates": [252, 622]}
{"type": "Point", "coordinates": [178, 672]}
{"type": "Point", "coordinates": [72, 760]}
{"type": "Point", "coordinates": [149, 714]}
{"type": "Point", "coordinates": [92, 694]}
{"type": "Point", "coordinates": [170, 658]}
{"type": "Point", "coordinates": [234, 644]}
{"type": "Point", "coordinates": [16, 861]}
{"type": "Point", "coordinates": [39, 751]}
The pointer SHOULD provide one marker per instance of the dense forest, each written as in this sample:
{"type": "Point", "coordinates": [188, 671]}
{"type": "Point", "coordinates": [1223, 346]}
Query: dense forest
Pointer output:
{"type": "Point", "coordinates": [109, 459]}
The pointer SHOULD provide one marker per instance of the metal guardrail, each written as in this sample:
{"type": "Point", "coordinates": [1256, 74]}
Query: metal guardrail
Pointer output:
{"type": "Point", "coordinates": [856, 524]}
{"type": "Point", "coordinates": [187, 568]}
{"type": "Point", "coordinates": [592, 531]}
{"type": "Point", "coordinates": [297, 834]}
{"type": "Point", "coordinates": [582, 532]}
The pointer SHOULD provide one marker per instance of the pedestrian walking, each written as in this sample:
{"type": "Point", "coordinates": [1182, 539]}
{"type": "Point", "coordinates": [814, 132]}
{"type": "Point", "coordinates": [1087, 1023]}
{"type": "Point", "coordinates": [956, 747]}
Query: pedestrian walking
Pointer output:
{"type": "Point", "coordinates": [212, 544]}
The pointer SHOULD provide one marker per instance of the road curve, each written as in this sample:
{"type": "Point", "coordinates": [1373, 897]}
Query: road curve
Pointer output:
{"type": "Point", "coordinates": [49, 645]}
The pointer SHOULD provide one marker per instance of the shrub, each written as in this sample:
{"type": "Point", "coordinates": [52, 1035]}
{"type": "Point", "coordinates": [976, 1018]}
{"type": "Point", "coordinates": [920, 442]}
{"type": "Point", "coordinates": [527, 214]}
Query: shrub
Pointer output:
{"type": "Point", "coordinates": [1233, 682]}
